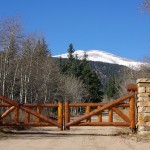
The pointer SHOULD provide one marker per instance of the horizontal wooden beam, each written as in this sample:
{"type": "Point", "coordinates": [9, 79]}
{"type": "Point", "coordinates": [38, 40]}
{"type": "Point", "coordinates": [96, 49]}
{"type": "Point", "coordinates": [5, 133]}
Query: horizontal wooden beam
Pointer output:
{"type": "Point", "coordinates": [31, 105]}
{"type": "Point", "coordinates": [95, 105]}
{"type": "Point", "coordinates": [25, 124]}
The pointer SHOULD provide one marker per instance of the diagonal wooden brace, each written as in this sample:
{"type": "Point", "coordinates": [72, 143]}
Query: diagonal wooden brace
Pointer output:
{"type": "Point", "coordinates": [8, 111]}
{"type": "Point", "coordinates": [123, 116]}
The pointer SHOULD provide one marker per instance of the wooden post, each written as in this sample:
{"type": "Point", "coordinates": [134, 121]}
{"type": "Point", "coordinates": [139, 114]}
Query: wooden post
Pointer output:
{"type": "Point", "coordinates": [38, 109]}
{"type": "Point", "coordinates": [88, 110]}
{"type": "Point", "coordinates": [132, 114]}
{"type": "Point", "coordinates": [99, 115]}
{"type": "Point", "coordinates": [27, 117]}
{"type": "Point", "coordinates": [110, 115]}
{"type": "Point", "coordinates": [67, 114]}
{"type": "Point", "coordinates": [60, 115]}
{"type": "Point", "coordinates": [16, 118]}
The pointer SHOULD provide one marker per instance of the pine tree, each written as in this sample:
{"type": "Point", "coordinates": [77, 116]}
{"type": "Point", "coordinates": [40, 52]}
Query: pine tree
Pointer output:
{"type": "Point", "coordinates": [91, 80]}
{"type": "Point", "coordinates": [70, 52]}
{"type": "Point", "coordinates": [112, 90]}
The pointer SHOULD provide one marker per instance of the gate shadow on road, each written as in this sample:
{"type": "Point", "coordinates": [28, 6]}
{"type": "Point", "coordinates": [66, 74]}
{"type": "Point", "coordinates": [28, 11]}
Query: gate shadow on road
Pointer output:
{"type": "Point", "coordinates": [40, 135]}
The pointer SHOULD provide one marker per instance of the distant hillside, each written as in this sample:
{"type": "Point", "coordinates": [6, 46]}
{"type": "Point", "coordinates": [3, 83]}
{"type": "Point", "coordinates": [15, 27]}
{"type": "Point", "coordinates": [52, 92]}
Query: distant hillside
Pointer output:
{"type": "Point", "coordinates": [104, 70]}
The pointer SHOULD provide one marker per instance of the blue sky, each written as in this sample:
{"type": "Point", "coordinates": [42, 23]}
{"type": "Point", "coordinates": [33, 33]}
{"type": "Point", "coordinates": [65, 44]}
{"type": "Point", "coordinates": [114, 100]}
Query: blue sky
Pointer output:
{"type": "Point", "coordinates": [115, 26]}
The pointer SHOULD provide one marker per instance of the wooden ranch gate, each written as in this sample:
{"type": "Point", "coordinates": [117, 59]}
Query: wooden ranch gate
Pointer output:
{"type": "Point", "coordinates": [64, 120]}
{"type": "Point", "coordinates": [111, 108]}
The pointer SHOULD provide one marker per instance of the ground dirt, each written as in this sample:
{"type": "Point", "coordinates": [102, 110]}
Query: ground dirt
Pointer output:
{"type": "Point", "coordinates": [78, 138]}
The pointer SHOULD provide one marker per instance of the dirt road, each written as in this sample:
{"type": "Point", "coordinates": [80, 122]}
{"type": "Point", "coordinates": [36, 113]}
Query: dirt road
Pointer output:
{"type": "Point", "coordinates": [78, 138]}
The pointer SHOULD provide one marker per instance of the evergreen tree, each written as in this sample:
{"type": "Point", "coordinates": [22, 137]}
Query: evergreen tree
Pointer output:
{"type": "Point", "coordinates": [112, 90]}
{"type": "Point", "coordinates": [91, 80]}
{"type": "Point", "coordinates": [70, 52]}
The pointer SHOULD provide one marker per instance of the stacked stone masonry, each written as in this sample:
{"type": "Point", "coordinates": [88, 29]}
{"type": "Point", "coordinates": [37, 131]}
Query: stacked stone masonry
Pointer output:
{"type": "Point", "coordinates": [143, 105]}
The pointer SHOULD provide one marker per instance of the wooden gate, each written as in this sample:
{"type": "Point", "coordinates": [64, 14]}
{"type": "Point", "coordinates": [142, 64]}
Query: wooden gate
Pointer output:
{"type": "Point", "coordinates": [32, 115]}
{"type": "Point", "coordinates": [99, 110]}
{"type": "Point", "coordinates": [20, 114]}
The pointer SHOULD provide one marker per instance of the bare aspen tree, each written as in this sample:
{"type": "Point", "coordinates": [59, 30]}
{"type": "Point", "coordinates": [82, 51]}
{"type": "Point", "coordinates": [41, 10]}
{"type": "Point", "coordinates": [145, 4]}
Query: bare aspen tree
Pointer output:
{"type": "Point", "coordinates": [10, 38]}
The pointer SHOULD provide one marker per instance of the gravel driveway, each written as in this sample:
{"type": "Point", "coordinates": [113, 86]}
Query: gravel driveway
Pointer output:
{"type": "Point", "coordinates": [78, 138]}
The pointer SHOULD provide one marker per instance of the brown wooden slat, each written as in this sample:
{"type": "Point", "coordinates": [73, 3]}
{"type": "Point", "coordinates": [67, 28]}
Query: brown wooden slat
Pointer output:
{"type": "Point", "coordinates": [110, 115]}
{"type": "Point", "coordinates": [99, 116]}
{"type": "Point", "coordinates": [88, 110]}
{"type": "Point", "coordinates": [38, 109]}
{"type": "Point", "coordinates": [16, 117]}
{"type": "Point", "coordinates": [27, 117]}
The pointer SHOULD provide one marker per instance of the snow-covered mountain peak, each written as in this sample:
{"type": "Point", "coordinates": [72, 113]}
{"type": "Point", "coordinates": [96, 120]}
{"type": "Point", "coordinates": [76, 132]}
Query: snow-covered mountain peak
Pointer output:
{"type": "Point", "coordinates": [102, 56]}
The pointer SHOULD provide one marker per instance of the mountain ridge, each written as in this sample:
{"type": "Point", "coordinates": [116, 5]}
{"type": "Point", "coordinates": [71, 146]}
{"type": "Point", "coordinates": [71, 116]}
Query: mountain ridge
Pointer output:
{"type": "Point", "coordinates": [106, 57]}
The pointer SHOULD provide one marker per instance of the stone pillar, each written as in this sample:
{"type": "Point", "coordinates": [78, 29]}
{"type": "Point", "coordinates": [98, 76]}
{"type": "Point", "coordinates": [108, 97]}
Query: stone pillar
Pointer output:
{"type": "Point", "coordinates": [143, 105]}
